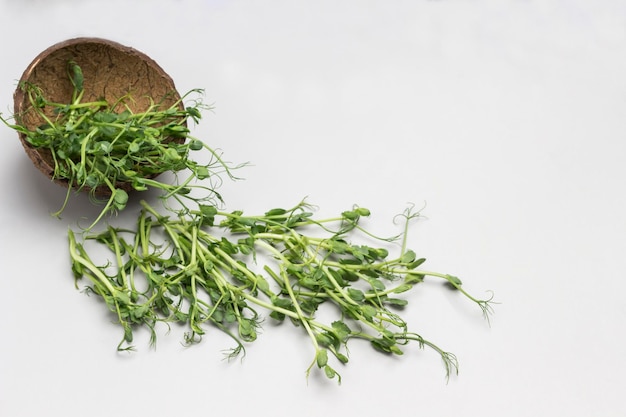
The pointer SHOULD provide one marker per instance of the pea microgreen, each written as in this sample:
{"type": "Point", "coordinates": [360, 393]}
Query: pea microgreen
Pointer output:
{"type": "Point", "coordinates": [108, 149]}
{"type": "Point", "coordinates": [202, 268]}
{"type": "Point", "coordinates": [196, 264]}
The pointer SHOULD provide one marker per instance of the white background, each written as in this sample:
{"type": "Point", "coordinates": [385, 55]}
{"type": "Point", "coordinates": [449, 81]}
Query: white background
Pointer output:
{"type": "Point", "coordinates": [507, 118]}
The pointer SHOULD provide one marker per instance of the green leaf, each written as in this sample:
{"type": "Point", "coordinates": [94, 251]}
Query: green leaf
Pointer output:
{"type": "Point", "coordinates": [245, 327]}
{"type": "Point", "coordinates": [356, 294]}
{"type": "Point", "coordinates": [282, 303]}
{"type": "Point", "coordinates": [408, 257]}
{"type": "Point", "coordinates": [377, 284]}
{"type": "Point", "coordinates": [140, 311]}
{"type": "Point", "coordinates": [105, 117]}
{"type": "Point", "coordinates": [151, 132]}
{"type": "Point", "coordinates": [139, 184]}
{"type": "Point", "coordinates": [275, 212]}
{"type": "Point", "coordinates": [324, 339]}
{"type": "Point", "coordinates": [180, 316]}
{"type": "Point", "coordinates": [170, 155]}
{"type": "Point", "coordinates": [177, 131]}
{"type": "Point", "coordinates": [396, 302]}
{"type": "Point", "coordinates": [128, 333]}
{"type": "Point", "coordinates": [120, 198]}
{"type": "Point", "coordinates": [194, 113]}
{"type": "Point", "coordinates": [262, 283]}
{"type": "Point", "coordinates": [218, 316]}
{"type": "Point", "coordinates": [201, 172]}
{"type": "Point", "coordinates": [359, 251]}
{"type": "Point", "coordinates": [336, 275]}
{"type": "Point", "coordinates": [347, 275]}
{"type": "Point", "coordinates": [230, 317]}
{"type": "Point", "coordinates": [121, 297]}
{"type": "Point", "coordinates": [246, 221]}
{"type": "Point", "coordinates": [311, 304]}
{"type": "Point", "coordinates": [338, 246]}
{"type": "Point", "coordinates": [108, 131]}
{"type": "Point", "coordinates": [105, 146]}
{"type": "Point", "coordinates": [208, 214]}
{"type": "Point", "coordinates": [382, 253]}
{"type": "Point", "coordinates": [277, 316]}
{"type": "Point", "coordinates": [454, 280]}
{"type": "Point", "coordinates": [368, 312]}
{"type": "Point", "coordinates": [208, 266]}
{"type": "Point", "coordinates": [341, 357]}
{"type": "Point", "coordinates": [119, 163]}
{"type": "Point", "coordinates": [76, 75]}
{"type": "Point", "coordinates": [330, 372]}
{"type": "Point", "coordinates": [227, 246]}
{"type": "Point", "coordinates": [297, 218]}
{"type": "Point", "coordinates": [321, 358]}
{"type": "Point", "coordinates": [92, 181]}
{"type": "Point", "coordinates": [350, 261]}
{"type": "Point", "coordinates": [402, 288]}
{"type": "Point", "coordinates": [416, 263]}
{"type": "Point", "coordinates": [414, 279]}
{"type": "Point", "coordinates": [77, 269]}
{"type": "Point", "coordinates": [396, 350]}
{"type": "Point", "coordinates": [382, 344]}
{"type": "Point", "coordinates": [341, 330]}
{"type": "Point", "coordinates": [123, 116]}
{"type": "Point", "coordinates": [134, 147]}
{"type": "Point", "coordinates": [196, 145]}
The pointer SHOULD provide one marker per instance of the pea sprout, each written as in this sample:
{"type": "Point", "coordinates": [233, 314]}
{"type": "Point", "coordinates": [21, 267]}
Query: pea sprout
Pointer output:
{"type": "Point", "coordinates": [202, 268]}
{"type": "Point", "coordinates": [108, 149]}
{"type": "Point", "coordinates": [196, 264]}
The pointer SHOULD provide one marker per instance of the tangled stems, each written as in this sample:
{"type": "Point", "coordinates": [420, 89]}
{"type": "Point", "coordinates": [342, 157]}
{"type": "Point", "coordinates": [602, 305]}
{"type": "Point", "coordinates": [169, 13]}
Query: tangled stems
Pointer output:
{"type": "Point", "coordinates": [108, 149]}
{"type": "Point", "coordinates": [201, 268]}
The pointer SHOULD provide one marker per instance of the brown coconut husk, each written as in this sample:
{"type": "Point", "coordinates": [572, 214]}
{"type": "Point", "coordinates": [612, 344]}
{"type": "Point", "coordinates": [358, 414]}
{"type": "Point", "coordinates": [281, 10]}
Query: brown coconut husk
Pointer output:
{"type": "Point", "coordinates": [110, 70]}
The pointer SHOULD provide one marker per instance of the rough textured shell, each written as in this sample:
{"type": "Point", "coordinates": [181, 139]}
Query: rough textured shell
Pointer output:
{"type": "Point", "coordinates": [111, 70]}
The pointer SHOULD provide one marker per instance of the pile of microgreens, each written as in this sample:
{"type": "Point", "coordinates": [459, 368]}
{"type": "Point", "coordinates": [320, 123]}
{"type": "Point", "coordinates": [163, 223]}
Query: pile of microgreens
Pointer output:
{"type": "Point", "coordinates": [201, 266]}
{"type": "Point", "coordinates": [106, 148]}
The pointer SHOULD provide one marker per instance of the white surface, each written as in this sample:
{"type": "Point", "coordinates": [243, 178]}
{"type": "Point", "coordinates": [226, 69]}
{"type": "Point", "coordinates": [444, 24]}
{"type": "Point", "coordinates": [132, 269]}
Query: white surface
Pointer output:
{"type": "Point", "coordinates": [506, 117]}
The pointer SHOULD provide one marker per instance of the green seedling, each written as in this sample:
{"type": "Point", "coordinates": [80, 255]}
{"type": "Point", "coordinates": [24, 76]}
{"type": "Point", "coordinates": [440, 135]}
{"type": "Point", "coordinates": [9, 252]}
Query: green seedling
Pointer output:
{"type": "Point", "coordinates": [195, 264]}
{"type": "Point", "coordinates": [228, 270]}
{"type": "Point", "coordinates": [107, 149]}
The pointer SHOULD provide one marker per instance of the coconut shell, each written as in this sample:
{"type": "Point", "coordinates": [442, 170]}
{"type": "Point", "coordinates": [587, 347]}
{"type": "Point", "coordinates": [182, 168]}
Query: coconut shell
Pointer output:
{"type": "Point", "coordinates": [110, 71]}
